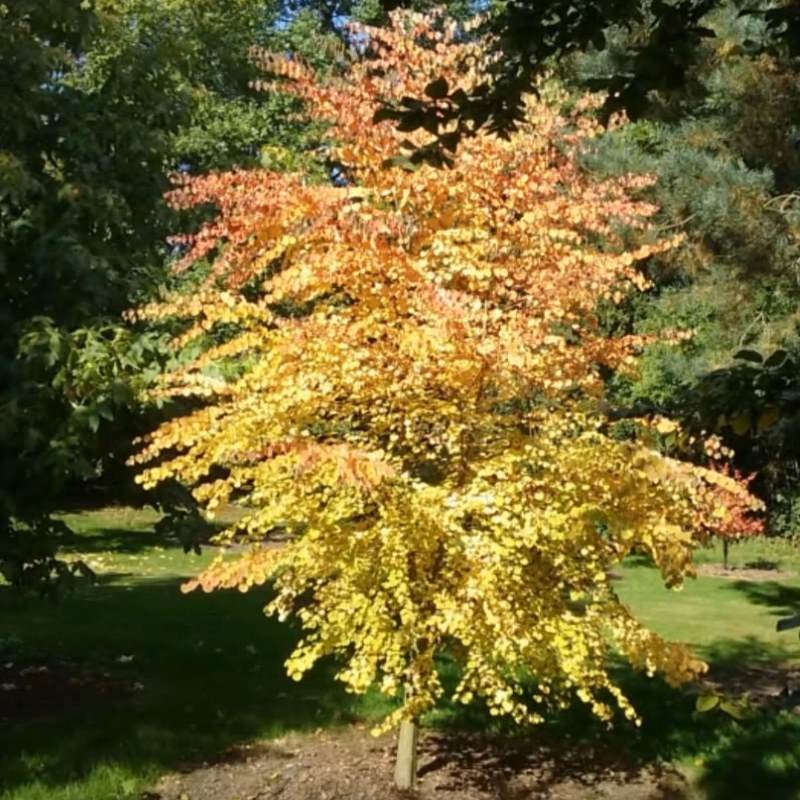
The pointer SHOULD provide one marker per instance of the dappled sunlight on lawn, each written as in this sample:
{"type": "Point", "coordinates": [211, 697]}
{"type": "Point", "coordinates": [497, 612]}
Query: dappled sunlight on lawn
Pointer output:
{"type": "Point", "coordinates": [188, 676]}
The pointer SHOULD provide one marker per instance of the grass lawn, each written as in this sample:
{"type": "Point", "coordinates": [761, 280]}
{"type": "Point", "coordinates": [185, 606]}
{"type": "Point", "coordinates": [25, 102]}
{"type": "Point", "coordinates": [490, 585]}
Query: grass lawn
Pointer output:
{"type": "Point", "coordinates": [203, 672]}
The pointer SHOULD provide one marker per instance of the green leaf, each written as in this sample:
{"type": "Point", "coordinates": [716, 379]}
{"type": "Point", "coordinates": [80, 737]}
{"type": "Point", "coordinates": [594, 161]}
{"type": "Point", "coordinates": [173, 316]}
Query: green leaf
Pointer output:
{"type": "Point", "coordinates": [733, 708]}
{"type": "Point", "coordinates": [749, 355]}
{"type": "Point", "coordinates": [706, 702]}
{"type": "Point", "coordinates": [431, 124]}
{"type": "Point", "coordinates": [776, 359]}
{"type": "Point", "coordinates": [449, 141]}
{"type": "Point", "coordinates": [741, 423]}
{"type": "Point", "coordinates": [383, 114]}
{"type": "Point", "coordinates": [410, 121]}
{"type": "Point", "coordinates": [438, 89]}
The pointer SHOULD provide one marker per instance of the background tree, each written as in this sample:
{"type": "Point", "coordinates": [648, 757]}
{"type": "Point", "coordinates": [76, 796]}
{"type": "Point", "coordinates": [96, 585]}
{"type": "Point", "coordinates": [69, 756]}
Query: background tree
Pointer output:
{"type": "Point", "coordinates": [724, 150]}
{"type": "Point", "coordinates": [101, 102]}
{"type": "Point", "coordinates": [659, 54]}
{"type": "Point", "coordinates": [418, 400]}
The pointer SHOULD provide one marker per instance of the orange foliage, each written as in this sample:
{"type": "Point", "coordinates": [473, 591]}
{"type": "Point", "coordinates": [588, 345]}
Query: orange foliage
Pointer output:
{"type": "Point", "coordinates": [417, 396]}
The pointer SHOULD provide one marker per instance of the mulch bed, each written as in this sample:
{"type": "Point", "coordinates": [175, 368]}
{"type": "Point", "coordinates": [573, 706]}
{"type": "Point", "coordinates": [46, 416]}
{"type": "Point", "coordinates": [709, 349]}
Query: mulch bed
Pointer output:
{"type": "Point", "coordinates": [743, 573]}
{"type": "Point", "coordinates": [350, 764]}
{"type": "Point", "coordinates": [773, 687]}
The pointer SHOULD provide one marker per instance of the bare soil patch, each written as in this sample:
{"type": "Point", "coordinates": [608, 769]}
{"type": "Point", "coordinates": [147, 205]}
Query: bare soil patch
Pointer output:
{"type": "Point", "coordinates": [352, 765]}
{"type": "Point", "coordinates": [769, 686]}
{"type": "Point", "coordinates": [744, 573]}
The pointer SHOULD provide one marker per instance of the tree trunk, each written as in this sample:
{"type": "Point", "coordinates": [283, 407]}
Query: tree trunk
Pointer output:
{"type": "Point", "coordinates": [725, 546]}
{"type": "Point", "coordinates": [405, 769]}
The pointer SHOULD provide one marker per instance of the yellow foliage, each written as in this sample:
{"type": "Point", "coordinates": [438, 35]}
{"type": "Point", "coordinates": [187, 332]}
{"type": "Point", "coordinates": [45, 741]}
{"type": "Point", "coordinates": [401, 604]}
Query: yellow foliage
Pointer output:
{"type": "Point", "coordinates": [421, 413]}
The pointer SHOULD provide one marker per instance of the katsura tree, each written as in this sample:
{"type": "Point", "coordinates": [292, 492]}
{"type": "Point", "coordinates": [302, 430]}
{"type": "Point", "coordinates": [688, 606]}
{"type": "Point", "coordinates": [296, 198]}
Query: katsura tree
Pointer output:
{"type": "Point", "coordinates": [402, 380]}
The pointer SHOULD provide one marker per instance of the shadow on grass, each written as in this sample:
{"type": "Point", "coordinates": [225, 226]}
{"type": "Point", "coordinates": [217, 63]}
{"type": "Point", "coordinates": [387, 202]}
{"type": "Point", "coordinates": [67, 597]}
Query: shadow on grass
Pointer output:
{"type": "Point", "coordinates": [761, 758]}
{"type": "Point", "coordinates": [783, 599]}
{"type": "Point", "coordinates": [123, 541]}
{"type": "Point", "coordinates": [766, 564]}
{"type": "Point", "coordinates": [756, 757]}
{"type": "Point", "coordinates": [114, 540]}
{"type": "Point", "coordinates": [212, 676]}
{"type": "Point", "coordinates": [208, 670]}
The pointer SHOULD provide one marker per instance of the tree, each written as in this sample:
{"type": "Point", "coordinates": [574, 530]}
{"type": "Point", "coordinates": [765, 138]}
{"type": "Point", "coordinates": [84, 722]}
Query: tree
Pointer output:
{"type": "Point", "coordinates": [529, 37]}
{"type": "Point", "coordinates": [415, 370]}
{"type": "Point", "coordinates": [723, 148]}
{"type": "Point", "coordinates": [101, 101]}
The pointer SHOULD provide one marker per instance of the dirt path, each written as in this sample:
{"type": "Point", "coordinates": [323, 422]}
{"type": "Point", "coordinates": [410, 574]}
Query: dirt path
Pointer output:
{"type": "Point", "coordinates": [352, 765]}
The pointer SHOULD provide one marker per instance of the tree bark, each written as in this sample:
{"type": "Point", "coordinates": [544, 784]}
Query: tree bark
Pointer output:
{"type": "Point", "coordinates": [405, 769]}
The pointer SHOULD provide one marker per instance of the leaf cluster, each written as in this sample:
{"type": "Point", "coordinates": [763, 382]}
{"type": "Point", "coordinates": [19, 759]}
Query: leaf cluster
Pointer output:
{"type": "Point", "coordinates": [422, 406]}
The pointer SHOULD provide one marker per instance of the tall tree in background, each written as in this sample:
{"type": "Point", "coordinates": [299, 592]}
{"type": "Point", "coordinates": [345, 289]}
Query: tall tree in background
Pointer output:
{"type": "Point", "coordinates": [527, 37]}
{"type": "Point", "coordinates": [418, 402]}
{"type": "Point", "coordinates": [724, 149]}
{"type": "Point", "coordinates": [101, 101]}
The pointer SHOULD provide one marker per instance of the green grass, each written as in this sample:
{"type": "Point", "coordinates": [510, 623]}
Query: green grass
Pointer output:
{"type": "Point", "coordinates": [713, 613]}
{"type": "Point", "coordinates": [211, 668]}
{"type": "Point", "coordinates": [760, 552]}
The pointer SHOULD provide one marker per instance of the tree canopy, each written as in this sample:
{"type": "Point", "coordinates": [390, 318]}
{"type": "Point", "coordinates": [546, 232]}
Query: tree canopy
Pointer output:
{"type": "Point", "coordinates": [108, 98]}
{"type": "Point", "coordinates": [101, 102]}
{"type": "Point", "coordinates": [655, 57]}
{"type": "Point", "coordinates": [418, 404]}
